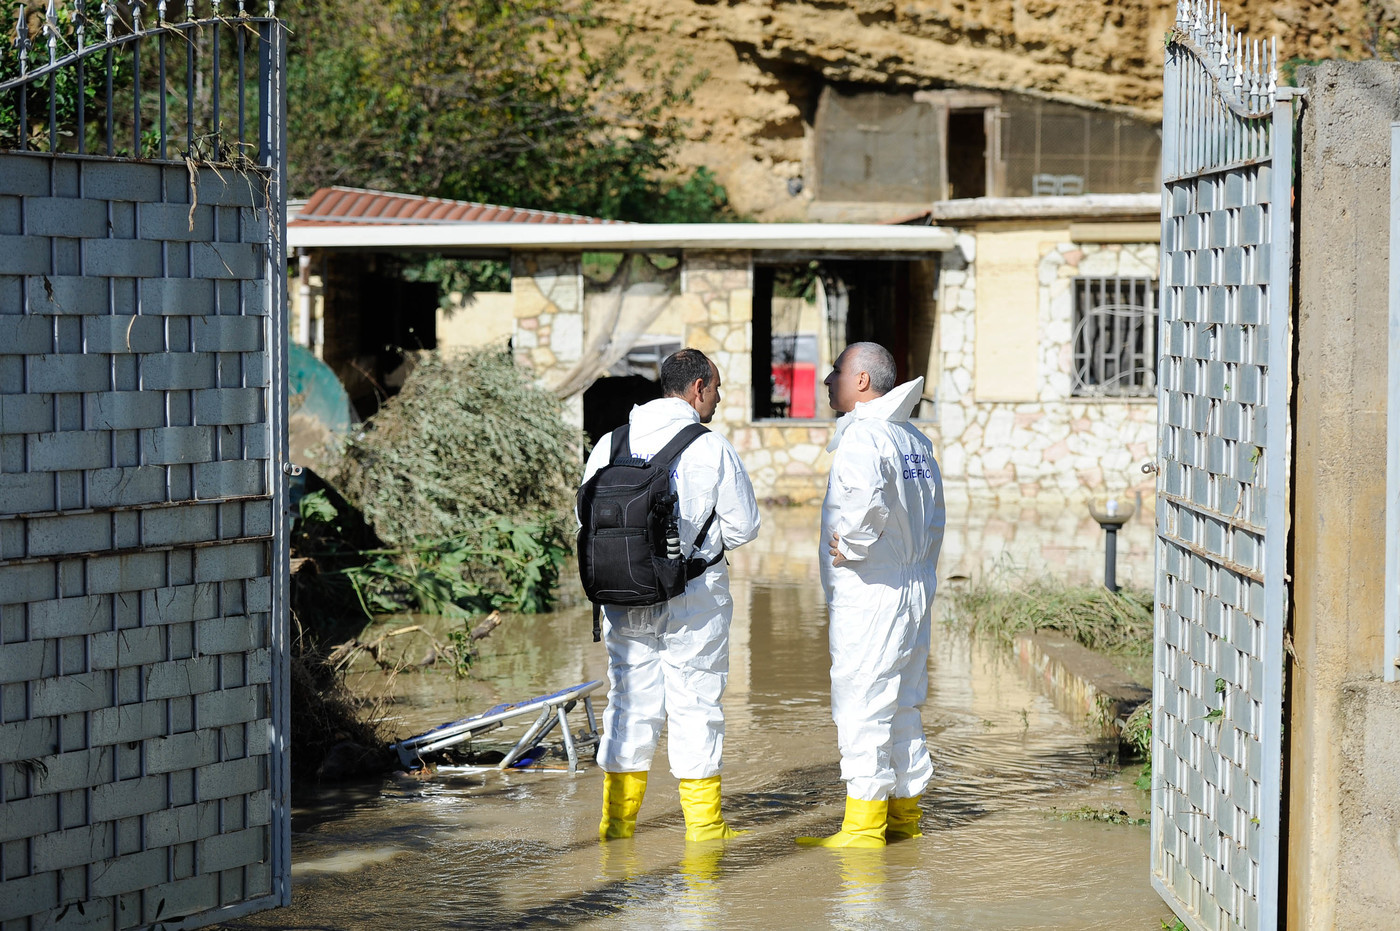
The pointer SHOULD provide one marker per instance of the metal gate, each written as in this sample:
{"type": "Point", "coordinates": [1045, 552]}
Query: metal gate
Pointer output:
{"type": "Point", "coordinates": [143, 607]}
{"type": "Point", "coordinates": [1222, 518]}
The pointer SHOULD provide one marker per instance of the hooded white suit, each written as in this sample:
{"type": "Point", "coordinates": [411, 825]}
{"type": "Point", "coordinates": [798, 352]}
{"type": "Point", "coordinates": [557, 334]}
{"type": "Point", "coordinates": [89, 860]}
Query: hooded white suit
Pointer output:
{"type": "Point", "coordinates": [669, 663]}
{"type": "Point", "coordinates": [884, 499]}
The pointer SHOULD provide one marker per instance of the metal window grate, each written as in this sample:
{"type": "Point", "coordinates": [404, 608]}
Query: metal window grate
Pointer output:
{"type": "Point", "coordinates": [1115, 337]}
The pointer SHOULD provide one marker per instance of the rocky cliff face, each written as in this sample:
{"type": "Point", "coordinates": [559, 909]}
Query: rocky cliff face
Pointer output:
{"type": "Point", "coordinates": [769, 59]}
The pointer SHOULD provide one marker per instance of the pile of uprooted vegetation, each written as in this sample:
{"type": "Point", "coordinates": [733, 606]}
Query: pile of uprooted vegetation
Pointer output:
{"type": "Point", "coordinates": [1001, 606]}
{"type": "Point", "coordinates": [453, 499]}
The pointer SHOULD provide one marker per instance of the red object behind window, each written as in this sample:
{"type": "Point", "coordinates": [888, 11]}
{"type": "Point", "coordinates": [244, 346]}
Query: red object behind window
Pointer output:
{"type": "Point", "coordinates": [797, 383]}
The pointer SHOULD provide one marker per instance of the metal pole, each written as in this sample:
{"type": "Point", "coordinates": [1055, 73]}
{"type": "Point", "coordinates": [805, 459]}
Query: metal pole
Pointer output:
{"type": "Point", "coordinates": [1110, 557]}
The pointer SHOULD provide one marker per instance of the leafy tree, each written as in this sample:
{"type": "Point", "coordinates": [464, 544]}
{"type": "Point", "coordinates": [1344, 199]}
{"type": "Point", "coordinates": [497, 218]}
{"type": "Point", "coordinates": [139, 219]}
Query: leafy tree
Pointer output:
{"type": "Point", "coordinates": [509, 101]}
{"type": "Point", "coordinates": [61, 86]}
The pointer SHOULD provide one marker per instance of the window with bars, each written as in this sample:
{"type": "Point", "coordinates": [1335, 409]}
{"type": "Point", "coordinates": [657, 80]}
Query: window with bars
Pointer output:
{"type": "Point", "coordinates": [1115, 337]}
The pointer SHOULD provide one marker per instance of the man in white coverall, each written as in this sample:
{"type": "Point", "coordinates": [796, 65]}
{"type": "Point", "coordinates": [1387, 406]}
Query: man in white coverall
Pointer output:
{"type": "Point", "coordinates": [882, 526]}
{"type": "Point", "coordinates": [668, 663]}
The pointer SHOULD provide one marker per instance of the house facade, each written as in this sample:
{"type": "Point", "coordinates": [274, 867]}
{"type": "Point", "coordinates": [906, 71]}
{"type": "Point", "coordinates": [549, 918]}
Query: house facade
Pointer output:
{"type": "Point", "coordinates": [1030, 320]}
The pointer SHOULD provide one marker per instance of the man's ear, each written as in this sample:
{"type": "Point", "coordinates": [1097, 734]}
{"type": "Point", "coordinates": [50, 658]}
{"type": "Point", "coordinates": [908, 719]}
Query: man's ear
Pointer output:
{"type": "Point", "coordinates": [863, 381]}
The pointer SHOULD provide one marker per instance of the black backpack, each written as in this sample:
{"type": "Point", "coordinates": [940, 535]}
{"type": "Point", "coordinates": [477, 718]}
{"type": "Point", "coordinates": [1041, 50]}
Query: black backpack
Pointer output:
{"type": "Point", "coordinates": [629, 548]}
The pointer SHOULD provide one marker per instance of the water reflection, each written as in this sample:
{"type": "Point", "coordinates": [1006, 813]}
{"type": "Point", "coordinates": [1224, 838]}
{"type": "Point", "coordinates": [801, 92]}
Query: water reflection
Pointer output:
{"type": "Point", "coordinates": [519, 849]}
{"type": "Point", "coordinates": [1055, 538]}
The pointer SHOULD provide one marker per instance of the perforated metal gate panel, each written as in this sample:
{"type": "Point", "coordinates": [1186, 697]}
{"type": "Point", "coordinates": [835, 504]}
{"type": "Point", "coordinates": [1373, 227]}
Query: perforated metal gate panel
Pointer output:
{"type": "Point", "coordinates": [1222, 519]}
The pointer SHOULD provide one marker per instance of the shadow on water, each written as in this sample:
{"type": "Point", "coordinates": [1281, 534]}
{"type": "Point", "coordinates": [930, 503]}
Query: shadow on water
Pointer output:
{"type": "Point", "coordinates": [519, 849]}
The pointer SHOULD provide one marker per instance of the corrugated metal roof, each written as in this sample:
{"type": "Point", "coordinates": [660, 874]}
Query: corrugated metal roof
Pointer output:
{"type": "Point", "coordinates": [346, 206]}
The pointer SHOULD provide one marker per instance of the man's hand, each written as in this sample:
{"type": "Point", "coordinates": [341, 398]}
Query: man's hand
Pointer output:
{"type": "Point", "coordinates": [836, 557]}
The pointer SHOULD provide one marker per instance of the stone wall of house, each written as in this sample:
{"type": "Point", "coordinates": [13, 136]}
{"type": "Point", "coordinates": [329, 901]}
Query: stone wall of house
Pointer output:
{"type": "Point", "coordinates": [548, 291]}
{"type": "Point", "coordinates": [1051, 444]}
{"type": "Point", "coordinates": [718, 320]}
{"type": "Point", "coordinates": [1048, 445]}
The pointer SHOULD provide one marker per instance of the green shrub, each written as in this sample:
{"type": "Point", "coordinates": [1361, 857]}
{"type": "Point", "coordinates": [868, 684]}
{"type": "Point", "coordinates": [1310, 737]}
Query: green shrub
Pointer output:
{"type": "Point", "coordinates": [466, 441]}
{"type": "Point", "coordinates": [467, 475]}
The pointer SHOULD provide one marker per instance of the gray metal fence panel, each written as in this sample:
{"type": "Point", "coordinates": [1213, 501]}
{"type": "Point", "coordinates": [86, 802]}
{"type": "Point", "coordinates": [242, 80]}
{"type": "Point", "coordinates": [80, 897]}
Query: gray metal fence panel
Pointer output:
{"type": "Point", "coordinates": [143, 550]}
{"type": "Point", "coordinates": [1222, 518]}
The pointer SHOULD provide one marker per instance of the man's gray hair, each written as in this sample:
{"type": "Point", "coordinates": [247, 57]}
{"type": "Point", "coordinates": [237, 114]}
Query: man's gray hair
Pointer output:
{"type": "Point", "coordinates": [875, 360]}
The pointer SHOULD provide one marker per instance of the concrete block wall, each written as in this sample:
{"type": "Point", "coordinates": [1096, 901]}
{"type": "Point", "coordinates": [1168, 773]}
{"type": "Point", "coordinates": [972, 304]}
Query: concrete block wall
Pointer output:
{"type": "Point", "coordinates": [136, 542]}
{"type": "Point", "coordinates": [1342, 788]}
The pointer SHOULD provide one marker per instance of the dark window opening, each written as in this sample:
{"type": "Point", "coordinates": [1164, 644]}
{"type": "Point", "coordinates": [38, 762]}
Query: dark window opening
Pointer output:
{"type": "Point", "coordinates": [608, 402]}
{"type": "Point", "coordinates": [967, 154]}
{"type": "Point", "coordinates": [799, 328]}
{"type": "Point", "coordinates": [786, 331]}
{"type": "Point", "coordinates": [379, 314]}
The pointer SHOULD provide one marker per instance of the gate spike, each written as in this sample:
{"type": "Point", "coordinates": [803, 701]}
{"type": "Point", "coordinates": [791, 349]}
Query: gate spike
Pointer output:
{"type": "Point", "coordinates": [80, 21]}
{"type": "Point", "coordinates": [160, 12]}
{"type": "Point", "coordinates": [189, 10]}
{"type": "Point", "coordinates": [1253, 72]}
{"type": "Point", "coordinates": [136, 6]}
{"type": "Point", "coordinates": [51, 30]}
{"type": "Point", "coordinates": [22, 42]}
{"type": "Point", "coordinates": [109, 13]}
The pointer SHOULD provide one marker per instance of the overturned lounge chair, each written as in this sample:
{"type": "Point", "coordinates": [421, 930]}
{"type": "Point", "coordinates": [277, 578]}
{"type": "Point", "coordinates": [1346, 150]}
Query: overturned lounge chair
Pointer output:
{"type": "Point", "coordinates": [552, 711]}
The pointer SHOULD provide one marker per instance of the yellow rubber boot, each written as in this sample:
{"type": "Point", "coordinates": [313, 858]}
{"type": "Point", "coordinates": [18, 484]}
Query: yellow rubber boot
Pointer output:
{"type": "Point", "coordinates": [622, 799]}
{"type": "Point", "coordinates": [903, 822]}
{"type": "Point", "coordinates": [863, 826]}
{"type": "Point", "coordinates": [700, 803]}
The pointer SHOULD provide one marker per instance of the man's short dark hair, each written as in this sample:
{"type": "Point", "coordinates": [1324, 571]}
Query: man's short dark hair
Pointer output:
{"type": "Point", "coordinates": [681, 368]}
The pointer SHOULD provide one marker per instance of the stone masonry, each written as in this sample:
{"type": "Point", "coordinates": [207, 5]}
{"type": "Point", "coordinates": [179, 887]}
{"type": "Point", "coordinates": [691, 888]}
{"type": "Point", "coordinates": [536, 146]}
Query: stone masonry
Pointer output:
{"type": "Point", "coordinates": [1055, 445]}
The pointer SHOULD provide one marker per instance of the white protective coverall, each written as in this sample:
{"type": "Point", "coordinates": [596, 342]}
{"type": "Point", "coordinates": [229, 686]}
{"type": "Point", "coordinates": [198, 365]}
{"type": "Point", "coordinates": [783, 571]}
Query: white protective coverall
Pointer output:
{"type": "Point", "coordinates": [884, 499]}
{"type": "Point", "coordinates": [670, 662]}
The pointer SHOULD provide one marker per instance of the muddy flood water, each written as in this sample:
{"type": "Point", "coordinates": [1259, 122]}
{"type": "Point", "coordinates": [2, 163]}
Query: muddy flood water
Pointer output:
{"type": "Point", "coordinates": [1003, 846]}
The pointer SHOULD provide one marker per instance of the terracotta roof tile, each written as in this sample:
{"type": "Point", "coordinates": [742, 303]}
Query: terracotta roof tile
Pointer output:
{"type": "Point", "coordinates": [345, 206]}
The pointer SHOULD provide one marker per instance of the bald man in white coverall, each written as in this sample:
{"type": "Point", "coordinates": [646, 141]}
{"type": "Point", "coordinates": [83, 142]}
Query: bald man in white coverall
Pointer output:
{"type": "Point", "coordinates": [669, 663]}
{"type": "Point", "coordinates": [882, 526]}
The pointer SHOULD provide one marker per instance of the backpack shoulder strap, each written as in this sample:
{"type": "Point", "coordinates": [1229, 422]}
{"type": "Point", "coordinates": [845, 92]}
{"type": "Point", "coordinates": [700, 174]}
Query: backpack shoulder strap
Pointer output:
{"type": "Point", "coordinates": [688, 434]}
{"type": "Point", "coordinates": [620, 446]}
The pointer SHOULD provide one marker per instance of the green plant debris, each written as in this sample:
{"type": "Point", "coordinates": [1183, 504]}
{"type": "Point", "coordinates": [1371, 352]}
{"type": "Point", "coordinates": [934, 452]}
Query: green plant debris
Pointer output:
{"type": "Point", "coordinates": [501, 566]}
{"type": "Point", "coordinates": [467, 440]}
{"type": "Point", "coordinates": [1101, 815]}
{"type": "Point", "coordinates": [1112, 622]}
{"type": "Point", "coordinates": [1137, 735]}
{"type": "Point", "coordinates": [466, 475]}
